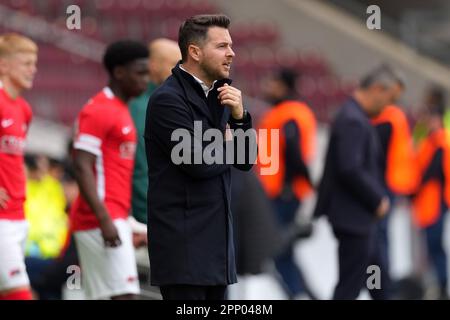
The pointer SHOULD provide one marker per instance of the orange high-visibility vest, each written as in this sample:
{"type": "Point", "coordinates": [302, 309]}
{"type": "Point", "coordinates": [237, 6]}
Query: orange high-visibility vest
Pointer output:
{"type": "Point", "coordinates": [427, 202]}
{"type": "Point", "coordinates": [276, 118]}
{"type": "Point", "coordinates": [401, 174]}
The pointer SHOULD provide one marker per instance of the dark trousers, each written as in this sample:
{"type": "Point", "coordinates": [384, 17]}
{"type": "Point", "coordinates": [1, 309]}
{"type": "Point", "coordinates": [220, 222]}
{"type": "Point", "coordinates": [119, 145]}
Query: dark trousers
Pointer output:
{"type": "Point", "coordinates": [356, 254]}
{"type": "Point", "coordinates": [383, 231]}
{"type": "Point", "coordinates": [291, 276]}
{"type": "Point", "coordinates": [47, 277]}
{"type": "Point", "coordinates": [193, 292]}
{"type": "Point", "coordinates": [436, 251]}
{"type": "Point", "coordinates": [383, 239]}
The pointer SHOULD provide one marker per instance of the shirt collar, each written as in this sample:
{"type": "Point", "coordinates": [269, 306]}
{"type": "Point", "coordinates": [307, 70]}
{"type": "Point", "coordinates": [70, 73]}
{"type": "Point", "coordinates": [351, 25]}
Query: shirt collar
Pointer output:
{"type": "Point", "coordinates": [108, 93]}
{"type": "Point", "coordinates": [358, 106]}
{"type": "Point", "coordinates": [205, 88]}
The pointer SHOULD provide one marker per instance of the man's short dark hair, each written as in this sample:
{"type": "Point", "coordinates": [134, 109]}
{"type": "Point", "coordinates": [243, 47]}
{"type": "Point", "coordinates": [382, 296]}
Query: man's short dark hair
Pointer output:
{"type": "Point", "coordinates": [195, 29]}
{"type": "Point", "coordinates": [436, 104]}
{"type": "Point", "coordinates": [288, 77]}
{"type": "Point", "coordinates": [123, 52]}
{"type": "Point", "coordinates": [384, 75]}
{"type": "Point", "coordinates": [436, 96]}
{"type": "Point", "coordinates": [436, 110]}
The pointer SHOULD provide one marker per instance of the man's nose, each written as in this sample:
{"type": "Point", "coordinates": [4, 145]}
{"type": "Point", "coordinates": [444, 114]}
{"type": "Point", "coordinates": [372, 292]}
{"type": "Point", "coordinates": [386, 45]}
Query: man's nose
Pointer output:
{"type": "Point", "coordinates": [231, 52]}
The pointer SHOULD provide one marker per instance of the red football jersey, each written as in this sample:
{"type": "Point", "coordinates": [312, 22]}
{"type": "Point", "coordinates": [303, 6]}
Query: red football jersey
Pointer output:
{"type": "Point", "coordinates": [15, 117]}
{"type": "Point", "coordinates": [105, 128]}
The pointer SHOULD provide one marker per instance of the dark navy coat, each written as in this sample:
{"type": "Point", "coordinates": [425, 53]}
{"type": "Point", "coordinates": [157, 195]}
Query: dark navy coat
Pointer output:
{"type": "Point", "coordinates": [352, 184]}
{"type": "Point", "coordinates": [190, 224]}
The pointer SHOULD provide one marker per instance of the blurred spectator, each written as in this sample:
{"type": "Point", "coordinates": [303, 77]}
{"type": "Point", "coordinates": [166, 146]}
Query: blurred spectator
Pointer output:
{"type": "Point", "coordinates": [45, 210]}
{"type": "Point", "coordinates": [56, 168]}
{"type": "Point", "coordinates": [432, 198]}
{"type": "Point", "coordinates": [289, 186]}
{"type": "Point", "coordinates": [49, 281]}
{"type": "Point", "coordinates": [435, 96]}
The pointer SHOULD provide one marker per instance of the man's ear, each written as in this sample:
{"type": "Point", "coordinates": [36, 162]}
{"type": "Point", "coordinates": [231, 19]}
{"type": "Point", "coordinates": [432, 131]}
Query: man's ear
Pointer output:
{"type": "Point", "coordinates": [194, 52]}
{"type": "Point", "coordinates": [119, 72]}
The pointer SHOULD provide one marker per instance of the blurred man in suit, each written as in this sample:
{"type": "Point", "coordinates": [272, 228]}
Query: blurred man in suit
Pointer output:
{"type": "Point", "coordinates": [351, 192]}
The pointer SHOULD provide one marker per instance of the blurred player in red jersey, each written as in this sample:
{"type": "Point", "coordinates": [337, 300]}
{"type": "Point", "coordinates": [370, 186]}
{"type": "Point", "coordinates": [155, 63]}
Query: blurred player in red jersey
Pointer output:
{"type": "Point", "coordinates": [104, 144]}
{"type": "Point", "coordinates": [18, 58]}
{"type": "Point", "coordinates": [1, 84]}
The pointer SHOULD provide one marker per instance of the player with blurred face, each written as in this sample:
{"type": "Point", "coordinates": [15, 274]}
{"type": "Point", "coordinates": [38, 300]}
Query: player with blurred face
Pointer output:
{"type": "Point", "coordinates": [18, 58]}
{"type": "Point", "coordinates": [105, 142]}
{"type": "Point", "coordinates": [17, 68]}
{"type": "Point", "coordinates": [1, 40]}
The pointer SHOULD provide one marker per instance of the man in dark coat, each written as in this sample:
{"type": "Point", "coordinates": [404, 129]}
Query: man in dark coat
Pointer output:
{"type": "Point", "coordinates": [351, 192]}
{"type": "Point", "coordinates": [189, 218]}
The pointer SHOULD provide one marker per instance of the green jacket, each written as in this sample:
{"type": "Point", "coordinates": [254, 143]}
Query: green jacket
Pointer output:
{"type": "Point", "coordinates": [138, 110]}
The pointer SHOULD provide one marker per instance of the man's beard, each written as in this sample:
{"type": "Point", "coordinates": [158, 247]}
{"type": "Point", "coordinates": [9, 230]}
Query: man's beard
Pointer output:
{"type": "Point", "coordinates": [211, 72]}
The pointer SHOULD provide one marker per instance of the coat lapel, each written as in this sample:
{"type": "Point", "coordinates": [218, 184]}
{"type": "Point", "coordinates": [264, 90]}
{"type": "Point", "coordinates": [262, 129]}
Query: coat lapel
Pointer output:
{"type": "Point", "coordinates": [220, 113]}
{"type": "Point", "coordinates": [193, 92]}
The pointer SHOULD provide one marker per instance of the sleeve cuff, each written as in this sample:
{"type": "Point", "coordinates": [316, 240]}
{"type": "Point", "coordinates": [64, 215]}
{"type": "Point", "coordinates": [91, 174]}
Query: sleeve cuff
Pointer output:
{"type": "Point", "coordinates": [247, 119]}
